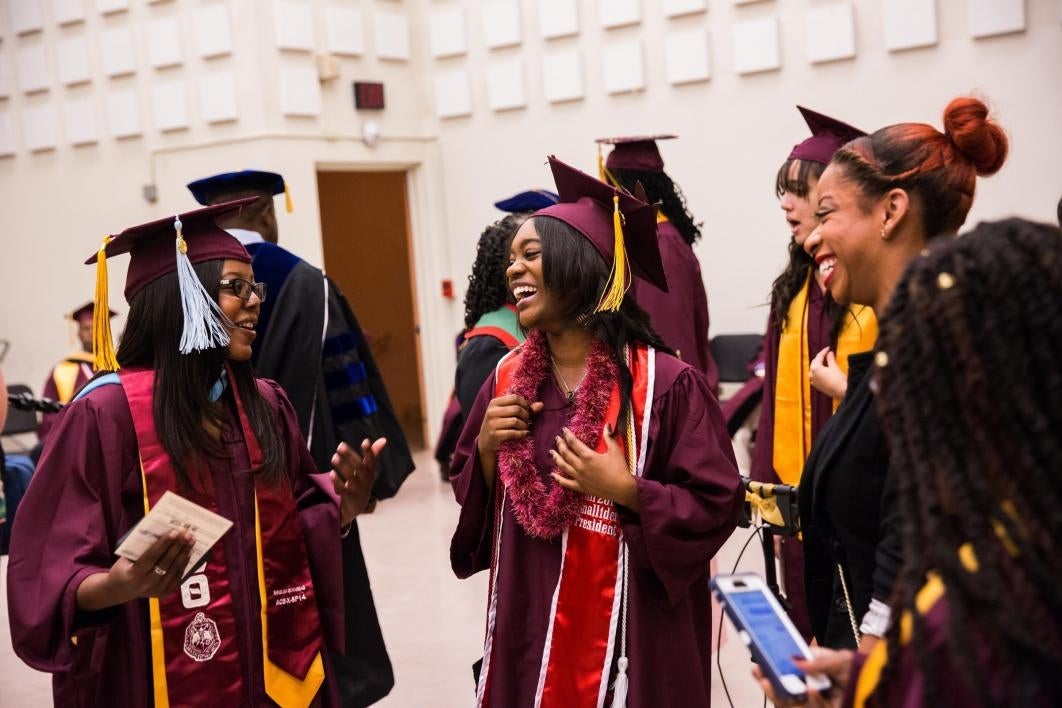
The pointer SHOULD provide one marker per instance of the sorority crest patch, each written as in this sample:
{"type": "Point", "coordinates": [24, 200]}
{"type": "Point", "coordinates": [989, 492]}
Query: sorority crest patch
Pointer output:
{"type": "Point", "coordinates": [201, 638]}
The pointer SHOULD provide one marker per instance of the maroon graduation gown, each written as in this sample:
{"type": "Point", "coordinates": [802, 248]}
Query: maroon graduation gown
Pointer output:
{"type": "Point", "coordinates": [955, 687]}
{"type": "Point", "coordinates": [690, 504]}
{"type": "Point", "coordinates": [680, 316]}
{"type": "Point", "coordinates": [86, 494]}
{"type": "Point", "coordinates": [762, 466]}
{"type": "Point", "coordinates": [50, 391]}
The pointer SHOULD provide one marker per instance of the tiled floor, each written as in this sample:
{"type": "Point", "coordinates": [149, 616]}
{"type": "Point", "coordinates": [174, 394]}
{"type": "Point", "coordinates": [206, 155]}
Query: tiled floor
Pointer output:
{"type": "Point", "coordinates": [433, 622]}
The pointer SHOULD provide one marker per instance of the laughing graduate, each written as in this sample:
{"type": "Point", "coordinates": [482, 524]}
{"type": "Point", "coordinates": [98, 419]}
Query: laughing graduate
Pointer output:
{"type": "Point", "coordinates": [259, 622]}
{"type": "Point", "coordinates": [595, 476]}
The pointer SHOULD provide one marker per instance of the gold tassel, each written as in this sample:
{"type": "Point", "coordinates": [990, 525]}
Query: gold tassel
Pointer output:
{"type": "Point", "coordinates": [616, 287]}
{"type": "Point", "coordinates": [103, 356]}
{"type": "Point", "coordinates": [288, 206]}
{"type": "Point", "coordinates": [602, 172]}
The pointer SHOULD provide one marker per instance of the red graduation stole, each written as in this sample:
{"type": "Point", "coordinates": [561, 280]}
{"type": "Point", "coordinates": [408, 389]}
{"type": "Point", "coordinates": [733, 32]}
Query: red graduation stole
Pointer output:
{"type": "Point", "coordinates": [590, 597]}
{"type": "Point", "coordinates": [194, 656]}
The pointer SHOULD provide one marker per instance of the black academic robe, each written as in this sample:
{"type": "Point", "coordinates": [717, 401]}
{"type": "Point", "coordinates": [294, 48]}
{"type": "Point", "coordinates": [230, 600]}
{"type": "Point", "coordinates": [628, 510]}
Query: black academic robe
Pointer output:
{"type": "Point", "coordinates": [338, 395]}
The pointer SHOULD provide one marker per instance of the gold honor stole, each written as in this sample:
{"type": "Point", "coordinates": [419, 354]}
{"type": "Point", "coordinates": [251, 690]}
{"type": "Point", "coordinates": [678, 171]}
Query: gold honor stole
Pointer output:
{"type": "Point", "coordinates": [589, 602]}
{"type": "Point", "coordinates": [792, 391]}
{"type": "Point", "coordinates": [194, 656]}
{"type": "Point", "coordinates": [65, 374]}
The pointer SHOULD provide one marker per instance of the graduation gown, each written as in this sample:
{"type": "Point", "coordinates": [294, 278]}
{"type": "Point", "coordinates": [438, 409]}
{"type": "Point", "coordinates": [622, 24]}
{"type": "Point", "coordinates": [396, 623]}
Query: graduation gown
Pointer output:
{"type": "Point", "coordinates": [51, 389]}
{"type": "Point", "coordinates": [86, 494]}
{"type": "Point", "coordinates": [819, 322]}
{"type": "Point", "coordinates": [680, 316]}
{"type": "Point", "coordinates": [956, 688]}
{"type": "Point", "coordinates": [690, 503]}
{"type": "Point", "coordinates": [338, 395]}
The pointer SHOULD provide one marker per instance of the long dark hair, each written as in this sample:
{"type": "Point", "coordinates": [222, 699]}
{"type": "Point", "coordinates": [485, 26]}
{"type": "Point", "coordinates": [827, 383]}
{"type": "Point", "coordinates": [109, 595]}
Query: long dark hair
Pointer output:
{"type": "Point", "coordinates": [800, 265]}
{"type": "Point", "coordinates": [487, 287]}
{"type": "Point", "coordinates": [659, 188]}
{"type": "Point", "coordinates": [183, 381]}
{"type": "Point", "coordinates": [575, 275]}
{"type": "Point", "coordinates": [970, 399]}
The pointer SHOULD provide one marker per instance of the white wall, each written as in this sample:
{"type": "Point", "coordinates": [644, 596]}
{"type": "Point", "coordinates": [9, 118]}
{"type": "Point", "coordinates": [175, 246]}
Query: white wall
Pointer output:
{"type": "Point", "coordinates": [735, 130]}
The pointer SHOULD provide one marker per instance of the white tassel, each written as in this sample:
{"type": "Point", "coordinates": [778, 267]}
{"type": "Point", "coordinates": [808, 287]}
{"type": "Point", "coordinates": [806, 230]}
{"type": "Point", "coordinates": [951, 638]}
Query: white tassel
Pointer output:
{"type": "Point", "coordinates": [619, 687]}
{"type": "Point", "coordinates": [204, 319]}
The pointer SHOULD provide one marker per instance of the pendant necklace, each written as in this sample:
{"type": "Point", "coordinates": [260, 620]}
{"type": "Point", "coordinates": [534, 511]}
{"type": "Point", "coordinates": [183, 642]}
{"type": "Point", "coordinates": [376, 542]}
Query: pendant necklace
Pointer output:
{"type": "Point", "coordinates": [568, 392]}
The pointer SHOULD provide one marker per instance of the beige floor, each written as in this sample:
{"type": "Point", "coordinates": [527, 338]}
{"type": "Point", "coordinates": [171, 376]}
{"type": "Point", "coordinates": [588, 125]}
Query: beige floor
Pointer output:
{"type": "Point", "coordinates": [433, 622]}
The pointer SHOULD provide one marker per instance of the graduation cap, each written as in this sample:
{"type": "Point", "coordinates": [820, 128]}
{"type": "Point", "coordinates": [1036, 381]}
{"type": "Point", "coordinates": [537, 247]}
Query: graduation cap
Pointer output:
{"type": "Point", "coordinates": [531, 200]}
{"type": "Point", "coordinates": [620, 226]}
{"type": "Point", "coordinates": [212, 190]}
{"type": "Point", "coordinates": [828, 135]}
{"type": "Point", "coordinates": [87, 310]}
{"type": "Point", "coordinates": [637, 152]}
{"type": "Point", "coordinates": [160, 247]}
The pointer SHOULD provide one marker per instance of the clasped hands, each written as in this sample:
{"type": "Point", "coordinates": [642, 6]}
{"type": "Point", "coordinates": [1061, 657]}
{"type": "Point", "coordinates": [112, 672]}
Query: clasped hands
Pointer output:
{"type": "Point", "coordinates": [581, 469]}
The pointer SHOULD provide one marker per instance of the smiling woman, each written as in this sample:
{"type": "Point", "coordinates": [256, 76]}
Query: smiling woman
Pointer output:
{"type": "Point", "coordinates": [595, 475]}
{"type": "Point", "coordinates": [184, 413]}
{"type": "Point", "coordinates": [882, 198]}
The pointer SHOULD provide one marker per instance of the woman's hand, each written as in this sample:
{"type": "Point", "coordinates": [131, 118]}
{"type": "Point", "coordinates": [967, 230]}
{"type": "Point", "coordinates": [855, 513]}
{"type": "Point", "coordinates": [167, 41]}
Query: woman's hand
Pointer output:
{"type": "Point", "coordinates": [156, 573]}
{"type": "Point", "coordinates": [602, 475]}
{"type": "Point", "coordinates": [508, 417]}
{"type": "Point", "coordinates": [834, 665]}
{"type": "Point", "coordinates": [826, 376]}
{"type": "Point", "coordinates": [353, 475]}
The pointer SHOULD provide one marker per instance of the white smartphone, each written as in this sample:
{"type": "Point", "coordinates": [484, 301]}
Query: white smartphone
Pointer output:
{"type": "Point", "coordinates": [768, 633]}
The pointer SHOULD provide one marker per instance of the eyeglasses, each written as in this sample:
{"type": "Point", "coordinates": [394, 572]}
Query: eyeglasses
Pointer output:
{"type": "Point", "coordinates": [243, 289]}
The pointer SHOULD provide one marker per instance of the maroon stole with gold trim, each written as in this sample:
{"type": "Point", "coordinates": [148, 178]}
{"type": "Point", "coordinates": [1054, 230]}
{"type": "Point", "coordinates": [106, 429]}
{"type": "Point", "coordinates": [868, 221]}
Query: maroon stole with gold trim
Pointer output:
{"type": "Point", "coordinates": [195, 660]}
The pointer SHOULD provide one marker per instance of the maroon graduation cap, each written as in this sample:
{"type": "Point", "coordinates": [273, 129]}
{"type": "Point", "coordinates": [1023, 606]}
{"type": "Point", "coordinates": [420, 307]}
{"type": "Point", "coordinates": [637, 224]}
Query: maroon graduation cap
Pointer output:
{"type": "Point", "coordinates": [157, 248]}
{"type": "Point", "coordinates": [86, 310]}
{"type": "Point", "coordinates": [621, 227]}
{"type": "Point", "coordinates": [637, 152]}
{"type": "Point", "coordinates": [828, 135]}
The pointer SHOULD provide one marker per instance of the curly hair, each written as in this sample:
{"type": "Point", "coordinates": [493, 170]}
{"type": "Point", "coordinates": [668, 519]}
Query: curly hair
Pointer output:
{"type": "Point", "coordinates": [659, 188]}
{"type": "Point", "coordinates": [970, 398]}
{"type": "Point", "coordinates": [487, 287]}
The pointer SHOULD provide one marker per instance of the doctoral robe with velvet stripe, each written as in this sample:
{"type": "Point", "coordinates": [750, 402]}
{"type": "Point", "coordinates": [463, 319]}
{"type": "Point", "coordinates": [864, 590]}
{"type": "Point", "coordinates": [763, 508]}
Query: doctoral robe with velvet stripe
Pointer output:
{"type": "Point", "coordinates": [691, 500]}
{"type": "Point", "coordinates": [679, 316]}
{"type": "Point", "coordinates": [86, 494]}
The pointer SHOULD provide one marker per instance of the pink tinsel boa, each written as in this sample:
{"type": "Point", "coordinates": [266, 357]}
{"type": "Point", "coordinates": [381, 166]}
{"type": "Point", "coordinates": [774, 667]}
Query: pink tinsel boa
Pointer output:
{"type": "Point", "coordinates": [541, 506]}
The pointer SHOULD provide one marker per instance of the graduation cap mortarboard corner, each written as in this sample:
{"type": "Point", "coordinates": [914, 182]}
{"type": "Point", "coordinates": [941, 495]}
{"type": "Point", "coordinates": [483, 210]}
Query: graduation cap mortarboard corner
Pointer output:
{"type": "Point", "coordinates": [215, 189]}
{"type": "Point", "coordinates": [87, 310]}
{"type": "Point", "coordinates": [531, 200]}
{"type": "Point", "coordinates": [160, 247]}
{"type": "Point", "coordinates": [828, 135]}
{"type": "Point", "coordinates": [620, 227]}
{"type": "Point", "coordinates": [636, 152]}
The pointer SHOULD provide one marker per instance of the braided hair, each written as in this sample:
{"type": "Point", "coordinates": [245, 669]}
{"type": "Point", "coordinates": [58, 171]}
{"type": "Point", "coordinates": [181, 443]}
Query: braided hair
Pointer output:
{"type": "Point", "coordinates": [659, 188]}
{"type": "Point", "coordinates": [487, 286]}
{"type": "Point", "coordinates": [970, 397]}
